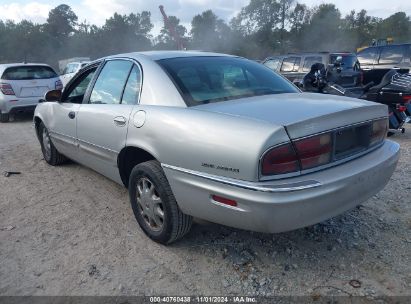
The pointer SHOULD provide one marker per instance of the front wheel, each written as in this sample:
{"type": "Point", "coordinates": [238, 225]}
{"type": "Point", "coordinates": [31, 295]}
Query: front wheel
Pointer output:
{"type": "Point", "coordinates": [50, 153]}
{"type": "Point", "coordinates": [154, 205]}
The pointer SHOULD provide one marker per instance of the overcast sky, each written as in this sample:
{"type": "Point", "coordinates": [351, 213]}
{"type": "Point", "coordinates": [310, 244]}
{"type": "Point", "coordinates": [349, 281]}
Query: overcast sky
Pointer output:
{"type": "Point", "coordinates": [96, 11]}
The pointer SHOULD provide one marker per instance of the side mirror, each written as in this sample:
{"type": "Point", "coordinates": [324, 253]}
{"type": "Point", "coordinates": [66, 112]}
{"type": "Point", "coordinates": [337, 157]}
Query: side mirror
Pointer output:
{"type": "Point", "coordinates": [53, 95]}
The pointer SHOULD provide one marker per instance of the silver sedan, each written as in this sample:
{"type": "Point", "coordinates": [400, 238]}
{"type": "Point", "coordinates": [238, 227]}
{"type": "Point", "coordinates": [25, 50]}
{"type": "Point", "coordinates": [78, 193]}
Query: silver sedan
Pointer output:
{"type": "Point", "coordinates": [216, 137]}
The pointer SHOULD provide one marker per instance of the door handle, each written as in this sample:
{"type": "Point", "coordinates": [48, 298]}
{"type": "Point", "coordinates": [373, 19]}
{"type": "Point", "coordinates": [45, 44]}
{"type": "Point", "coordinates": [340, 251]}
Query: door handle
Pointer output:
{"type": "Point", "coordinates": [71, 115]}
{"type": "Point", "coordinates": [120, 121]}
{"type": "Point", "coordinates": [366, 69]}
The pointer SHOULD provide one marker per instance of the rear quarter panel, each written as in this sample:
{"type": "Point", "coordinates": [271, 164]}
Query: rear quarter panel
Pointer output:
{"type": "Point", "coordinates": [203, 141]}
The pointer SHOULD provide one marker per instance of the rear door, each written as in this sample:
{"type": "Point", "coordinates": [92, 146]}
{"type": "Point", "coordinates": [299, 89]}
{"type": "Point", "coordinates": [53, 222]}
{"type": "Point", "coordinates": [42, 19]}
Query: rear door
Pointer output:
{"type": "Point", "coordinates": [102, 120]}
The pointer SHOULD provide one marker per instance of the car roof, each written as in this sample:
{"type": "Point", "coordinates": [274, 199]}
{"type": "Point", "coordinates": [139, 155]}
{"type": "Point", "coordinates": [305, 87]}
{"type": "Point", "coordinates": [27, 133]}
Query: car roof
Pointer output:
{"type": "Point", "coordinates": [158, 55]}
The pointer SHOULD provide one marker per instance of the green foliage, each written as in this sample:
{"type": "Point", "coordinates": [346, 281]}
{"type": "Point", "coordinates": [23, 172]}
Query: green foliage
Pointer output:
{"type": "Point", "coordinates": [261, 28]}
{"type": "Point", "coordinates": [165, 41]}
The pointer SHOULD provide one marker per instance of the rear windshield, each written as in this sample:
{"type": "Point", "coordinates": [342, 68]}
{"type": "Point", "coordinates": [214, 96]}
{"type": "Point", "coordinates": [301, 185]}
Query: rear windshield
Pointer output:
{"type": "Point", "coordinates": [28, 72]}
{"type": "Point", "coordinates": [203, 80]}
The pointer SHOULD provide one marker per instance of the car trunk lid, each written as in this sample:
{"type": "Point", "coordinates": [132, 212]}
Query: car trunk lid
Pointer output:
{"type": "Point", "coordinates": [302, 114]}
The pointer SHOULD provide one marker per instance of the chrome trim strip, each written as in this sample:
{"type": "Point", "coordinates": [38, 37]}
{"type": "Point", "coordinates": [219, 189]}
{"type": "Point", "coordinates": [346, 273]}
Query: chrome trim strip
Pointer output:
{"type": "Point", "coordinates": [61, 134]}
{"type": "Point", "coordinates": [97, 146]}
{"type": "Point", "coordinates": [262, 187]}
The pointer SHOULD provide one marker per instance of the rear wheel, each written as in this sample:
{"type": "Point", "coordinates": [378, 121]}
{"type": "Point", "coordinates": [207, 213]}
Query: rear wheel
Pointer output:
{"type": "Point", "coordinates": [50, 153]}
{"type": "Point", "coordinates": [4, 117]}
{"type": "Point", "coordinates": [154, 204]}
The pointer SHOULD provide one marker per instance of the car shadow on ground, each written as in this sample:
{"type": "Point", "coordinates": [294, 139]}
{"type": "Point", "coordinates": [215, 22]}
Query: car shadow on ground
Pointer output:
{"type": "Point", "coordinates": [333, 242]}
{"type": "Point", "coordinates": [21, 117]}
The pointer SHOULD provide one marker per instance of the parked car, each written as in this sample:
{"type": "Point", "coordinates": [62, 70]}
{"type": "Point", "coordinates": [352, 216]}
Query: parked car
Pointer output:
{"type": "Point", "coordinates": [296, 66]}
{"type": "Point", "coordinates": [376, 61]}
{"type": "Point", "coordinates": [70, 70]}
{"type": "Point", "coordinates": [22, 85]}
{"type": "Point", "coordinates": [217, 137]}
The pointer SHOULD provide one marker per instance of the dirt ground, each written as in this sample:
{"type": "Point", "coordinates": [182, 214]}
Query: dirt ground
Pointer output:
{"type": "Point", "coordinates": [69, 231]}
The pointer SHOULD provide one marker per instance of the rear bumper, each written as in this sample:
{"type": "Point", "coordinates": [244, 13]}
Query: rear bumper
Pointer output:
{"type": "Point", "coordinates": [286, 204]}
{"type": "Point", "coordinates": [16, 104]}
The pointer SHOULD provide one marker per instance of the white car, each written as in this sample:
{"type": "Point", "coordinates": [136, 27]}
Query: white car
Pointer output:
{"type": "Point", "coordinates": [70, 70]}
{"type": "Point", "coordinates": [22, 85]}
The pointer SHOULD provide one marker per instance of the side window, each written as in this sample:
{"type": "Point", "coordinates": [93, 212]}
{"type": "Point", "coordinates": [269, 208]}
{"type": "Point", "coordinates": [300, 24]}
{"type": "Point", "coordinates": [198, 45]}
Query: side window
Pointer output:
{"type": "Point", "coordinates": [272, 64]}
{"type": "Point", "coordinates": [132, 89]}
{"type": "Point", "coordinates": [71, 68]}
{"type": "Point", "coordinates": [367, 56]}
{"type": "Point", "coordinates": [110, 82]}
{"type": "Point", "coordinates": [66, 70]}
{"type": "Point", "coordinates": [75, 93]}
{"type": "Point", "coordinates": [391, 54]}
{"type": "Point", "coordinates": [291, 64]}
{"type": "Point", "coordinates": [309, 61]}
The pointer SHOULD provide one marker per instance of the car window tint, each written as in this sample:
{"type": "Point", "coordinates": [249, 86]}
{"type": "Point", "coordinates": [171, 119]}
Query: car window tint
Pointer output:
{"type": "Point", "coordinates": [391, 54]}
{"type": "Point", "coordinates": [110, 83]}
{"type": "Point", "coordinates": [367, 56]}
{"type": "Point", "coordinates": [132, 89]}
{"type": "Point", "coordinates": [76, 91]}
{"type": "Point", "coordinates": [203, 80]}
{"type": "Point", "coordinates": [309, 61]}
{"type": "Point", "coordinates": [291, 64]}
{"type": "Point", "coordinates": [28, 72]}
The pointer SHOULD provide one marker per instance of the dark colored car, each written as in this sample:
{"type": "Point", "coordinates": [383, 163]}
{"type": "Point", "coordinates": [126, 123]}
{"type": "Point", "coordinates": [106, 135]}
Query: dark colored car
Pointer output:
{"type": "Point", "coordinates": [376, 61]}
{"type": "Point", "coordinates": [296, 66]}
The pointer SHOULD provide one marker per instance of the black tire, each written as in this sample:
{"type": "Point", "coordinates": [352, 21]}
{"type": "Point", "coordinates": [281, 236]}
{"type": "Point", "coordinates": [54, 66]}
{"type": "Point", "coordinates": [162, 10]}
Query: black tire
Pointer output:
{"type": "Point", "coordinates": [50, 153]}
{"type": "Point", "coordinates": [4, 117]}
{"type": "Point", "coordinates": [174, 224]}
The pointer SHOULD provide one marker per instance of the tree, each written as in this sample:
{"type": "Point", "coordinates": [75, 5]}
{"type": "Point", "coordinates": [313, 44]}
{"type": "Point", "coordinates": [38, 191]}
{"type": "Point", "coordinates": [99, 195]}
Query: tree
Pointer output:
{"type": "Point", "coordinates": [126, 33]}
{"type": "Point", "coordinates": [208, 31]}
{"type": "Point", "coordinates": [324, 27]}
{"type": "Point", "coordinates": [397, 26]}
{"type": "Point", "coordinates": [165, 39]}
{"type": "Point", "coordinates": [61, 22]}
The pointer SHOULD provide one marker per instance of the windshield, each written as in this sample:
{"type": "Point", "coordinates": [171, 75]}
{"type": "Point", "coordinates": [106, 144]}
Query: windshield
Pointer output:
{"type": "Point", "coordinates": [28, 72]}
{"type": "Point", "coordinates": [203, 80]}
{"type": "Point", "coordinates": [348, 61]}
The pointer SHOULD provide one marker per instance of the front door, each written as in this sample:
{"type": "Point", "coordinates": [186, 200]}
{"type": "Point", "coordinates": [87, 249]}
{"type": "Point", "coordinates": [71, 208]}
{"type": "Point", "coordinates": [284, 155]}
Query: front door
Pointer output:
{"type": "Point", "coordinates": [63, 122]}
{"type": "Point", "coordinates": [102, 120]}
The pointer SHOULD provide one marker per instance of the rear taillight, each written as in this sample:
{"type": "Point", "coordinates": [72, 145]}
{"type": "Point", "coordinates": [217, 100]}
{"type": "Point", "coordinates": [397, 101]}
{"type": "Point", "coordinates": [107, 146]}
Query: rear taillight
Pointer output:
{"type": "Point", "coordinates": [59, 85]}
{"type": "Point", "coordinates": [6, 89]}
{"type": "Point", "coordinates": [379, 131]}
{"type": "Point", "coordinates": [319, 150]}
{"type": "Point", "coordinates": [314, 151]}
{"type": "Point", "coordinates": [280, 160]}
